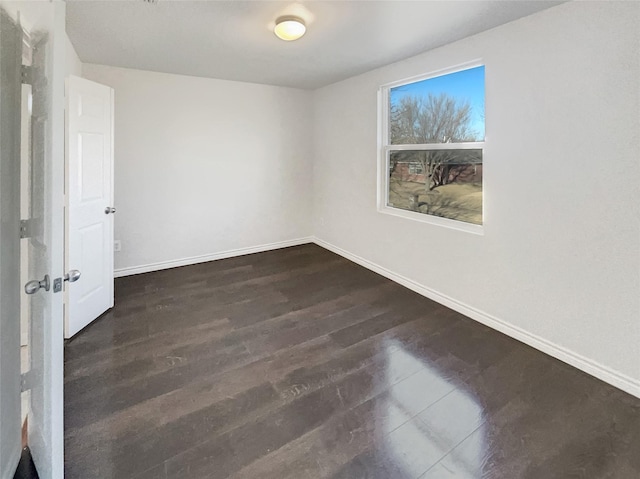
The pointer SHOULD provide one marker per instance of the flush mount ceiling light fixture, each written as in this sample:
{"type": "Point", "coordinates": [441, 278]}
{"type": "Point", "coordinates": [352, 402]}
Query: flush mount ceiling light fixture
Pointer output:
{"type": "Point", "coordinates": [289, 28]}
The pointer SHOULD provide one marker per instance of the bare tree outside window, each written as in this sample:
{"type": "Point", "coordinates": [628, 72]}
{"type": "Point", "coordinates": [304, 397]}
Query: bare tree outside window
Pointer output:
{"type": "Point", "coordinates": [443, 117]}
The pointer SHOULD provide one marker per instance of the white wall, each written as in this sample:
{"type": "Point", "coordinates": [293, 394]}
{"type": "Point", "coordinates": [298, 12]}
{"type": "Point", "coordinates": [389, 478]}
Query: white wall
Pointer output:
{"type": "Point", "coordinates": [72, 63]}
{"type": "Point", "coordinates": [204, 167]}
{"type": "Point", "coordinates": [558, 265]}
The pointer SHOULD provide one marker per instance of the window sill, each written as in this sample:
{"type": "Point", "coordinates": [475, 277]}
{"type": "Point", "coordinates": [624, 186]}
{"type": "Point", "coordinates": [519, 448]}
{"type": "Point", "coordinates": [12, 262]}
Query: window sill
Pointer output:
{"type": "Point", "coordinates": [433, 220]}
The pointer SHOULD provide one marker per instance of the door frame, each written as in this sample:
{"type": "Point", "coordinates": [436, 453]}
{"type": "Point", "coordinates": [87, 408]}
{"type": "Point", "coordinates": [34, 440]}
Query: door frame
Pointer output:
{"type": "Point", "coordinates": [10, 162]}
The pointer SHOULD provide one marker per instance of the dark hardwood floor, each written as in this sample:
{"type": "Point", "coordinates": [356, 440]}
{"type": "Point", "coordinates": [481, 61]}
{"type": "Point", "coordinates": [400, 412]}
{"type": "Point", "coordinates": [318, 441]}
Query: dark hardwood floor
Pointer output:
{"type": "Point", "coordinates": [299, 364]}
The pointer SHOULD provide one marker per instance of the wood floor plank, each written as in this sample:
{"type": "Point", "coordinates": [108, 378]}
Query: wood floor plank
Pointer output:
{"type": "Point", "coordinates": [152, 447]}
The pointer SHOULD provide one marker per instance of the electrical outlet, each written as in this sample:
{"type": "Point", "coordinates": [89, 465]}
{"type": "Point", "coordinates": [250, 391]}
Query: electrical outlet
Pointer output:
{"type": "Point", "coordinates": [117, 245]}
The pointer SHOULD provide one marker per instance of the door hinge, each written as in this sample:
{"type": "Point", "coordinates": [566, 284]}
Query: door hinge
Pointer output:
{"type": "Point", "coordinates": [24, 229]}
{"type": "Point", "coordinates": [27, 228]}
{"type": "Point", "coordinates": [27, 75]}
{"type": "Point", "coordinates": [26, 381]}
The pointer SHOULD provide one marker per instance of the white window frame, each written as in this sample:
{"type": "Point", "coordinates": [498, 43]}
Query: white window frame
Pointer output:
{"type": "Point", "coordinates": [385, 148]}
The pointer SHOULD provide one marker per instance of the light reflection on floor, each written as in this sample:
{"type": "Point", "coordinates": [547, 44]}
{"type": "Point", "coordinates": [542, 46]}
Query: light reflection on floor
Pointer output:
{"type": "Point", "coordinates": [436, 416]}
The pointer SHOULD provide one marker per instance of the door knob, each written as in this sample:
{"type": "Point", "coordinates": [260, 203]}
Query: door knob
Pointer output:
{"type": "Point", "coordinates": [72, 276]}
{"type": "Point", "coordinates": [32, 287]}
{"type": "Point", "coordinates": [109, 209]}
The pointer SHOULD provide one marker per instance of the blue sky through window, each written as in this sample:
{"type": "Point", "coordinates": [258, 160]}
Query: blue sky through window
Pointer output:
{"type": "Point", "coordinates": [463, 85]}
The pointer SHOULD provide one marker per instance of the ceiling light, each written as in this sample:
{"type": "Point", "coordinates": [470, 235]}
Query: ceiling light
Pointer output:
{"type": "Point", "coordinates": [289, 28]}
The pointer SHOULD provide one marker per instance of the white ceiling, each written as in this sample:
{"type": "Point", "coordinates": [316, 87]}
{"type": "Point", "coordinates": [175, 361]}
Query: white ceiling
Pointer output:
{"type": "Point", "coordinates": [233, 40]}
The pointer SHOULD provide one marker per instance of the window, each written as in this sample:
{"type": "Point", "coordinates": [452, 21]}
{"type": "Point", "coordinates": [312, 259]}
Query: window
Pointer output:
{"type": "Point", "coordinates": [432, 147]}
{"type": "Point", "coordinates": [415, 168]}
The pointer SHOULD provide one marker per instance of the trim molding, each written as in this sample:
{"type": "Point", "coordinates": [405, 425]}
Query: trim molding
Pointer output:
{"type": "Point", "coordinates": [606, 374]}
{"type": "Point", "coordinates": [147, 268]}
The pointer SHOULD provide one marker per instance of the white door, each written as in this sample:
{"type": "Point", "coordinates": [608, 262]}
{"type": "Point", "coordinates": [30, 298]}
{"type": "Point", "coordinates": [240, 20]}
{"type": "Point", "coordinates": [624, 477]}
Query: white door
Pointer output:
{"type": "Point", "coordinates": [90, 196]}
{"type": "Point", "coordinates": [10, 96]}
{"type": "Point", "coordinates": [46, 242]}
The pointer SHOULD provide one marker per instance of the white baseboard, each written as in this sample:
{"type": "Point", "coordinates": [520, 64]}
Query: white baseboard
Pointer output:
{"type": "Point", "coordinates": [593, 368]}
{"type": "Point", "coordinates": [146, 268]}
